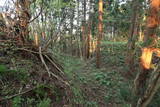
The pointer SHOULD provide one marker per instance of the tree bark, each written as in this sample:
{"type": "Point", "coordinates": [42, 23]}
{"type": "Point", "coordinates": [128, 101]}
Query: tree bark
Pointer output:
{"type": "Point", "coordinates": [89, 35]}
{"type": "Point", "coordinates": [100, 32]}
{"type": "Point", "coordinates": [132, 37]}
{"type": "Point", "coordinates": [84, 30]}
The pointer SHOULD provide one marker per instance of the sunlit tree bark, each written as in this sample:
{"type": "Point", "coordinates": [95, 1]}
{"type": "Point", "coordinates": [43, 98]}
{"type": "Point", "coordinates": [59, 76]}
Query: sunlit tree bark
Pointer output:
{"type": "Point", "coordinates": [100, 32]}
{"type": "Point", "coordinates": [89, 35]}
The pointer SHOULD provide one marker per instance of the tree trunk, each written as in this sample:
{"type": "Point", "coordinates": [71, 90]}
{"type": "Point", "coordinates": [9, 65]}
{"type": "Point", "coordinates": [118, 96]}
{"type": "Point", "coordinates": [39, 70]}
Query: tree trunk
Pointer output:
{"type": "Point", "coordinates": [100, 32]}
{"type": "Point", "coordinates": [150, 42]}
{"type": "Point", "coordinates": [132, 37]}
{"type": "Point", "coordinates": [77, 33]}
{"type": "Point", "coordinates": [89, 35]}
{"type": "Point", "coordinates": [84, 38]}
{"type": "Point", "coordinates": [71, 31]}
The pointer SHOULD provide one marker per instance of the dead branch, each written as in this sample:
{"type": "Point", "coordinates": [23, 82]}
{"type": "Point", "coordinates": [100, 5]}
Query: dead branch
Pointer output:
{"type": "Point", "coordinates": [54, 64]}
{"type": "Point", "coordinates": [50, 73]}
{"type": "Point", "coordinates": [42, 59]}
{"type": "Point", "coordinates": [10, 97]}
{"type": "Point", "coordinates": [31, 51]}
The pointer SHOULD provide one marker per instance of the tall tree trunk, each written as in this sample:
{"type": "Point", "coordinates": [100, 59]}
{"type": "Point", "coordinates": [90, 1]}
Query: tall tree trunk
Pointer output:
{"type": "Point", "coordinates": [132, 37]}
{"type": "Point", "coordinates": [89, 35]}
{"type": "Point", "coordinates": [77, 32]}
{"type": "Point", "coordinates": [88, 40]}
{"type": "Point", "coordinates": [71, 31]}
{"type": "Point", "coordinates": [100, 32]}
{"type": "Point", "coordinates": [84, 29]}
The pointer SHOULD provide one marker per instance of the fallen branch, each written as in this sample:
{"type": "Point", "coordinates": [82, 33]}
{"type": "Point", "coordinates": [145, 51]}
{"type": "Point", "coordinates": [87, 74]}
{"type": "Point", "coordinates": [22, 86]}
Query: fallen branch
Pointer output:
{"type": "Point", "coordinates": [24, 49]}
{"type": "Point", "coordinates": [10, 97]}
{"type": "Point", "coordinates": [50, 73]}
{"type": "Point", "coordinates": [42, 59]}
{"type": "Point", "coordinates": [54, 64]}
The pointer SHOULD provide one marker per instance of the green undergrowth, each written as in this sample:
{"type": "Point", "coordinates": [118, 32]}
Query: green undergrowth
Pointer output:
{"type": "Point", "coordinates": [24, 82]}
{"type": "Point", "coordinates": [113, 54]}
{"type": "Point", "coordinates": [94, 87]}
{"type": "Point", "coordinates": [71, 65]}
{"type": "Point", "coordinates": [20, 77]}
{"type": "Point", "coordinates": [91, 87]}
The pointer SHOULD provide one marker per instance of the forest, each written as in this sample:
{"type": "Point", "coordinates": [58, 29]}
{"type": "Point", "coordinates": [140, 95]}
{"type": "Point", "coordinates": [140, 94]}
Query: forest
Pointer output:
{"type": "Point", "coordinates": [79, 53]}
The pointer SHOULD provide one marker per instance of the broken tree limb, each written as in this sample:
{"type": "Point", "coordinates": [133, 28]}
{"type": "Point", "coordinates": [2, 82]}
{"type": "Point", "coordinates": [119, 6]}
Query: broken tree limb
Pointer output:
{"type": "Point", "coordinates": [54, 64]}
{"type": "Point", "coordinates": [42, 59]}
{"type": "Point", "coordinates": [151, 89]}
{"type": "Point", "coordinates": [50, 73]}
{"type": "Point", "coordinates": [10, 97]}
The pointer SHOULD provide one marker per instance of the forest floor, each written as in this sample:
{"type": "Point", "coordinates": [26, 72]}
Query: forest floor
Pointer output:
{"type": "Point", "coordinates": [24, 80]}
{"type": "Point", "coordinates": [108, 86]}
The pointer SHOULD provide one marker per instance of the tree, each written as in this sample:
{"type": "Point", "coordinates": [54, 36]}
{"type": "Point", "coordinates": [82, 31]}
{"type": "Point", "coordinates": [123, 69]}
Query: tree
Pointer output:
{"type": "Point", "coordinates": [100, 32]}
{"type": "Point", "coordinates": [89, 32]}
{"type": "Point", "coordinates": [146, 94]}
{"type": "Point", "coordinates": [84, 29]}
{"type": "Point", "coordinates": [132, 36]}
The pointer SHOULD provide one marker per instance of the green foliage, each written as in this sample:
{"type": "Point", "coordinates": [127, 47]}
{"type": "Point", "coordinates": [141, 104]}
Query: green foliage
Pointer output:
{"type": "Point", "coordinates": [70, 64]}
{"type": "Point", "coordinates": [155, 101]}
{"type": "Point", "coordinates": [17, 101]}
{"type": "Point", "coordinates": [125, 93]}
{"type": "Point", "coordinates": [149, 42]}
{"type": "Point", "coordinates": [115, 52]}
{"type": "Point", "coordinates": [2, 33]}
{"type": "Point", "coordinates": [3, 68]}
{"type": "Point", "coordinates": [103, 79]}
{"type": "Point", "coordinates": [91, 104]}
{"type": "Point", "coordinates": [44, 103]}
{"type": "Point", "coordinates": [78, 96]}
{"type": "Point", "coordinates": [30, 101]}
{"type": "Point", "coordinates": [108, 98]}
{"type": "Point", "coordinates": [40, 92]}
{"type": "Point", "coordinates": [19, 74]}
